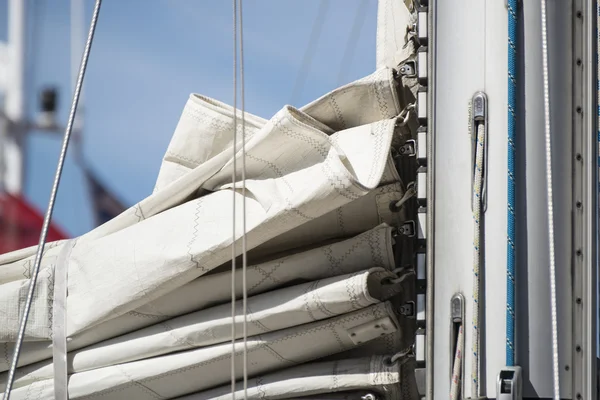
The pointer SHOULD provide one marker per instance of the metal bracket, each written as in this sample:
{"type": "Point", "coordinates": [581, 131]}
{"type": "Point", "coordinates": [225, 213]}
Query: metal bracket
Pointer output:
{"type": "Point", "coordinates": [408, 69]}
{"type": "Point", "coordinates": [407, 309]}
{"type": "Point", "coordinates": [409, 148]}
{"type": "Point", "coordinates": [407, 229]}
{"type": "Point", "coordinates": [457, 318]}
{"type": "Point", "coordinates": [479, 116]}
{"type": "Point", "coordinates": [509, 384]}
{"type": "Point", "coordinates": [371, 330]}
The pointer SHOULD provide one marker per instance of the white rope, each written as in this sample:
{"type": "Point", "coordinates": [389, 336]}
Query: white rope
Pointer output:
{"type": "Point", "coordinates": [244, 249]}
{"type": "Point", "coordinates": [477, 187]}
{"type": "Point", "coordinates": [233, 195]}
{"type": "Point", "coordinates": [457, 367]}
{"type": "Point", "coordinates": [237, 7]}
{"type": "Point", "coordinates": [311, 48]}
{"type": "Point", "coordinates": [53, 193]}
{"type": "Point", "coordinates": [550, 205]}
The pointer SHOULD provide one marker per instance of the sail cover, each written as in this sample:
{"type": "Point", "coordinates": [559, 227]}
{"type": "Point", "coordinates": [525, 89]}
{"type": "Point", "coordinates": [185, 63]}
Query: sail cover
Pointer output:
{"type": "Point", "coordinates": [148, 313]}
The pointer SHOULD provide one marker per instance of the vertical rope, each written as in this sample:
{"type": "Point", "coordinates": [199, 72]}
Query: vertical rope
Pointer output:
{"type": "Point", "coordinates": [598, 86]}
{"type": "Point", "coordinates": [53, 193]}
{"type": "Point", "coordinates": [457, 366]}
{"type": "Point", "coordinates": [550, 202]}
{"type": "Point", "coordinates": [233, 193]}
{"type": "Point", "coordinates": [477, 189]}
{"type": "Point", "coordinates": [244, 245]}
{"type": "Point", "coordinates": [510, 240]}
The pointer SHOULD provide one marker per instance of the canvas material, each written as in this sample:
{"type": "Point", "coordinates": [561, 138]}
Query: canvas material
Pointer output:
{"type": "Point", "coordinates": [296, 173]}
{"type": "Point", "coordinates": [372, 248]}
{"type": "Point", "coordinates": [317, 379]}
{"type": "Point", "coordinates": [271, 311]}
{"type": "Point", "coordinates": [194, 370]}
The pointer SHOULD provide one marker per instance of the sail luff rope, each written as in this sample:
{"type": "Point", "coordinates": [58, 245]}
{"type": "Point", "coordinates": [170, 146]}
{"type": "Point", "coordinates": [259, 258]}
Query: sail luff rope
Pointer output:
{"type": "Point", "coordinates": [51, 202]}
{"type": "Point", "coordinates": [550, 202]}
{"type": "Point", "coordinates": [511, 232]}
{"type": "Point", "coordinates": [233, 195]}
{"type": "Point", "coordinates": [457, 366]}
{"type": "Point", "coordinates": [477, 189]}
{"type": "Point", "coordinates": [244, 248]}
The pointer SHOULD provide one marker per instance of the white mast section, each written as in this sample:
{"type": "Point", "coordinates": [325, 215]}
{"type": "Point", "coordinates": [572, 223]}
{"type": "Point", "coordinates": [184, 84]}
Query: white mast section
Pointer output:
{"type": "Point", "coordinates": [77, 44]}
{"type": "Point", "coordinates": [11, 152]}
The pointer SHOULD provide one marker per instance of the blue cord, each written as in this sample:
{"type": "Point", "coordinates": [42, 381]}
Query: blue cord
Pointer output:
{"type": "Point", "coordinates": [510, 248]}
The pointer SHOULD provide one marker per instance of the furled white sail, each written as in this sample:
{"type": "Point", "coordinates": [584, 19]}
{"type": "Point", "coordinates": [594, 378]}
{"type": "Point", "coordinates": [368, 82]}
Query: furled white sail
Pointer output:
{"type": "Point", "coordinates": [148, 313]}
{"type": "Point", "coordinates": [395, 18]}
{"type": "Point", "coordinates": [295, 173]}
{"type": "Point", "coordinates": [372, 248]}
{"type": "Point", "coordinates": [189, 371]}
{"type": "Point", "coordinates": [324, 378]}
{"type": "Point", "coordinates": [275, 310]}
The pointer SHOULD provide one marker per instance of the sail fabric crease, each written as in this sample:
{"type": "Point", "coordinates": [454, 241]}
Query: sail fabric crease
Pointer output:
{"type": "Point", "coordinates": [394, 20]}
{"type": "Point", "coordinates": [316, 378]}
{"type": "Point", "coordinates": [195, 370]}
{"type": "Point", "coordinates": [272, 311]}
{"type": "Point", "coordinates": [173, 188]}
{"type": "Point", "coordinates": [295, 173]}
{"type": "Point", "coordinates": [148, 313]}
{"type": "Point", "coordinates": [372, 248]}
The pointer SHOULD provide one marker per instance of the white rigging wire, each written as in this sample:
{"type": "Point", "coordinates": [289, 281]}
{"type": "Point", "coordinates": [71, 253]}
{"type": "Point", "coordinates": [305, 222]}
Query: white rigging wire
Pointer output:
{"type": "Point", "coordinates": [237, 7]}
{"type": "Point", "coordinates": [310, 50]}
{"type": "Point", "coordinates": [233, 193]}
{"type": "Point", "coordinates": [53, 193]}
{"type": "Point", "coordinates": [550, 202]}
{"type": "Point", "coordinates": [244, 250]}
{"type": "Point", "coordinates": [359, 20]}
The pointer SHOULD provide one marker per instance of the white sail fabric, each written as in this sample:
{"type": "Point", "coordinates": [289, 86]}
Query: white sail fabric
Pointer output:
{"type": "Point", "coordinates": [368, 373]}
{"type": "Point", "coordinates": [187, 164]}
{"type": "Point", "coordinates": [394, 19]}
{"type": "Point", "coordinates": [146, 291]}
{"type": "Point", "coordinates": [206, 126]}
{"type": "Point", "coordinates": [275, 310]}
{"type": "Point", "coordinates": [369, 249]}
{"type": "Point", "coordinates": [194, 370]}
{"type": "Point", "coordinates": [295, 173]}
{"type": "Point", "coordinates": [348, 220]}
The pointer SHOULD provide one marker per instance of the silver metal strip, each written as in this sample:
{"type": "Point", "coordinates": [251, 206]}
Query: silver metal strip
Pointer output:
{"type": "Point", "coordinates": [422, 147]}
{"type": "Point", "coordinates": [585, 199]}
{"type": "Point", "coordinates": [422, 64]}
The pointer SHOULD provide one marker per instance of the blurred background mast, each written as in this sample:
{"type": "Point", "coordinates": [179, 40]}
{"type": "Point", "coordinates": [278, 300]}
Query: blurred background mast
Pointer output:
{"type": "Point", "coordinates": [12, 125]}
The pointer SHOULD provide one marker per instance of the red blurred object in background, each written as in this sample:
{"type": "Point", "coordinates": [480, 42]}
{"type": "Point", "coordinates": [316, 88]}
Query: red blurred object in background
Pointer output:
{"type": "Point", "coordinates": [21, 224]}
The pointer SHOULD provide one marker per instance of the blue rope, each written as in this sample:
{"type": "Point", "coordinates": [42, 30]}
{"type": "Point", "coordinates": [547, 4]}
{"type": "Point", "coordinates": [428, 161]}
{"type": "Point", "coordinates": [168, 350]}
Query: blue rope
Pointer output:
{"type": "Point", "coordinates": [510, 248]}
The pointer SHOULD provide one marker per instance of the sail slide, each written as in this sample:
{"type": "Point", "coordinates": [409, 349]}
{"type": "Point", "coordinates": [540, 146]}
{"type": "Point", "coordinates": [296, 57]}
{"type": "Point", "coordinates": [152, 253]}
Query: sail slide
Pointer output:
{"type": "Point", "coordinates": [317, 378]}
{"type": "Point", "coordinates": [194, 370]}
{"type": "Point", "coordinates": [271, 311]}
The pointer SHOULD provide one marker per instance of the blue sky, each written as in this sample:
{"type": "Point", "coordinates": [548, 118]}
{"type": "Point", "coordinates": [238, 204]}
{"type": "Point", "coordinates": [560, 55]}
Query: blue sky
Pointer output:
{"type": "Point", "coordinates": [149, 55]}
